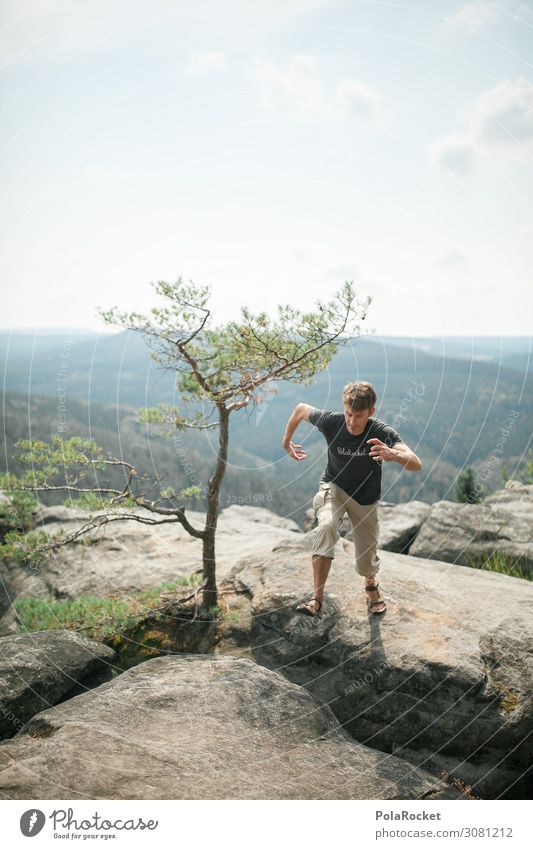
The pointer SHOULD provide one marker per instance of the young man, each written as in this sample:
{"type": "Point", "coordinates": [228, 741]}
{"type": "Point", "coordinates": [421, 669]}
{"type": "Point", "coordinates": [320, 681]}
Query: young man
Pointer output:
{"type": "Point", "coordinates": [351, 483]}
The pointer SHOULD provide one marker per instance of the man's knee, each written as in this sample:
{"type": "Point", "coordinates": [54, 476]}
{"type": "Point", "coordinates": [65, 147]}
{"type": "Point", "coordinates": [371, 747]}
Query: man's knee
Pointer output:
{"type": "Point", "coordinates": [367, 563]}
{"type": "Point", "coordinates": [326, 536]}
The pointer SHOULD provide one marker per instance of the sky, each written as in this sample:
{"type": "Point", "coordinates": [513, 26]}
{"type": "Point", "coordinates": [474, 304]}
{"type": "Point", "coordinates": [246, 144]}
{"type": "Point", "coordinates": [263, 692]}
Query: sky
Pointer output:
{"type": "Point", "coordinates": [271, 149]}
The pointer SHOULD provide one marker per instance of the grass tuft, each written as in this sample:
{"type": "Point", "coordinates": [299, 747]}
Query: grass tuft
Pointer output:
{"type": "Point", "coordinates": [98, 617]}
{"type": "Point", "coordinates": [496, 561]}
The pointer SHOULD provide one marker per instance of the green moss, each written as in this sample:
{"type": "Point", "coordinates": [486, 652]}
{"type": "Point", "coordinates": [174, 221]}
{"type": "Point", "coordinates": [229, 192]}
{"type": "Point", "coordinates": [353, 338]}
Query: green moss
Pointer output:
{"type": "Point", "coordinates": [509, 700]}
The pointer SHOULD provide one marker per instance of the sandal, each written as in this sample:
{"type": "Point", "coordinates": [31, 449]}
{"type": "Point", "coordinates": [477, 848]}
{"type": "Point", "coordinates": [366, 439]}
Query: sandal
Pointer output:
{"type": "Point", "coordinates": [371, 604]}
{"type": "Point", "coordinates": [304, 608]}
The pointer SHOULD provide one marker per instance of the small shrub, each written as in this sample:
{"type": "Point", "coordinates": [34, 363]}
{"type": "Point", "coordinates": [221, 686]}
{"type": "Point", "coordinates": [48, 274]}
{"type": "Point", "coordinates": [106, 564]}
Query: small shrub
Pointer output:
{"type": "Point", "coordinates": [16, 513]}
{"type": "Point", "coordinates": [459, 785]}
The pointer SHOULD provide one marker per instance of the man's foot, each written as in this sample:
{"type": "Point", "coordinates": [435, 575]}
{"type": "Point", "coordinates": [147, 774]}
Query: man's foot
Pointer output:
{"type": "Point", "coordinates": [375, 601]}
{"type": "Point", "coordinates": [313, 607]}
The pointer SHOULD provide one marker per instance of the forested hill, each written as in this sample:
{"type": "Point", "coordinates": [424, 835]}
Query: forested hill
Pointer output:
{"type": "Point", "coordinates": [453, 411]}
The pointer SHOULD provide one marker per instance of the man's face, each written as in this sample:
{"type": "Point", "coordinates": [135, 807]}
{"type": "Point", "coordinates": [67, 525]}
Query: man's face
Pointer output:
{"type": "Point", "coordinates": [356, 419]}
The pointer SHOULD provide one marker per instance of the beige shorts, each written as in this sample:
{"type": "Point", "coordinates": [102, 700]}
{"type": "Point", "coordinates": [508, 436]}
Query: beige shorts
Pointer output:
{"type": "Point", "coordinates": [331, 504]}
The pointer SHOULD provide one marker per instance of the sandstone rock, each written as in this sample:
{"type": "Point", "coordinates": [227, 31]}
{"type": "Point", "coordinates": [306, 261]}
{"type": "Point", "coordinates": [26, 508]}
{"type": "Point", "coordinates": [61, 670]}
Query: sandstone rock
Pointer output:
{"type": "Point", "coordinates": [502, 523]}
{"type": "Point", "coordinates": [399, 524]}
{"type": "Point", "coordinates": [58, 513]}
{"type": "Point", "coordinates": [516, 497]}
{"type": "Point", "coordinates": [444, 678]}
{"type": "Point", "coordinates": [132, 556]}
{"type": "Point", "coordinates": [200, 727]}
{"type": "Point", "coordinates": [238, 516]}
{"type": "Point", "coordinates": [37, 670]}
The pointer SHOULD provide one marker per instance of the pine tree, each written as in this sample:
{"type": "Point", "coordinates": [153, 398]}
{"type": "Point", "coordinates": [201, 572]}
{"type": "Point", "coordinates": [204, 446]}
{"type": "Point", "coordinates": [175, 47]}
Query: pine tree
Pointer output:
{"type": "Point", "coordinates": [219, 369]}
{"type": "Point", "coordinates": [466, 490]}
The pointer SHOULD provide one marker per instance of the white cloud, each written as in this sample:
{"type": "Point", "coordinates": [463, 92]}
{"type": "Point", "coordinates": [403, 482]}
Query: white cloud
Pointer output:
{"type": "Point", "coordinates": [499, 125]}
{"type": "Point", "coordinates": [355, 97]}
{"type": "Point", "coordinates": [298, 88]}
{"type": "Point", "coordinates": [452, 259]}
{"type": "Point", "coordinates": [453, 153]}
{"type": "Point", "coordinates": [204, 63]}
{"type": "Point", "coordinates": [504, 114]}
{"type": "Point", "coordinates": [482, 14]}
{"type": "Point", "coordinates": [524, 12]}
{"type": "Point", "coordinates": [477, 15]}
{"type": "Point", "coordinates": [340, 271]}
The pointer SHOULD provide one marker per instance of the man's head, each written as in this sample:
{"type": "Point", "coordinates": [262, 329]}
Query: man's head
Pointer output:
{"type": "Point", "coordinates": [359, 399]}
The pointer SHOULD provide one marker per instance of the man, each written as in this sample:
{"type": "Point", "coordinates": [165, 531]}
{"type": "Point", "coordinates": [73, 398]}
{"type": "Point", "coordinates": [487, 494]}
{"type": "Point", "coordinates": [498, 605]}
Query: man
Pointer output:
{"type": "Point", "coordinates": [351, 483]}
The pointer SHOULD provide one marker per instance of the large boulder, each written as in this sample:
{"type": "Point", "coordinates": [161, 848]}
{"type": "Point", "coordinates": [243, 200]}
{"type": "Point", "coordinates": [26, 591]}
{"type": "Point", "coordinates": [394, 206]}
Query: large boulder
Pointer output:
{"type": "Point", "coordinates": [444, 678]}
{"type": "Point", "coordinates": [398, 524]}
{"type": "Point", "coordinates": [236, 518]}
{"type": "Point", "coordinates": [516, 497]}
{"type": "Point", "coordinates": [38, 670]}
{"type": "Point", "coordinates": [502, 523]}
{"type": "Point", "coordinates": [126, 555]}
{"type": "Point", "coordinates": [59, 514]}
{"type": "Point", "coordinates": [200, 727]}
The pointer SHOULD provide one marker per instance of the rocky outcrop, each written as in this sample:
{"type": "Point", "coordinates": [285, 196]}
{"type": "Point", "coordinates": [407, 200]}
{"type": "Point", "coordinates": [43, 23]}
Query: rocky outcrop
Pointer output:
{"type": "Point", "coordinates": [126, 555]}
{"type": "Point", "coordinates": [237, 519]}
{"type": "Point", "coordinates": [58, 514]}
{"type": "Point", "coordinates": [515, 497]}
{"type": "Point", "coordinates": [38, 670]}
{"type": "Point", "coordinates": [398, 524]}
{"type": "Point", "coordinates": [502, 523]}
{"type": "Point", "coordinates": [443, 679]}
{"type": "Point", "coordinates": [200, 727]}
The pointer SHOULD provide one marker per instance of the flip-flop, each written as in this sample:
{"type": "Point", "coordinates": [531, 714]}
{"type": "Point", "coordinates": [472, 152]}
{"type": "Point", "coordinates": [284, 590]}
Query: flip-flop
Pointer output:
{"type": "Point", "coordinates": [303, 608]}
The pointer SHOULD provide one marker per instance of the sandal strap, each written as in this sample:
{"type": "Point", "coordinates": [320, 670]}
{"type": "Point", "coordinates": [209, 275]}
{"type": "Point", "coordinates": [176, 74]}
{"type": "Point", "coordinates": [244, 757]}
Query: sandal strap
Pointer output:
{"type": "Point", "coordinates": [314, 599]}
{"type": "Point", "coordinates": [371, 587]}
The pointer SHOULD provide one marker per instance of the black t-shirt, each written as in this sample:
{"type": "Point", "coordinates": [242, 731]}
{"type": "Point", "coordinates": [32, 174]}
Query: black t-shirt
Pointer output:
{"type": "Point", "coordinates": [350, 465]}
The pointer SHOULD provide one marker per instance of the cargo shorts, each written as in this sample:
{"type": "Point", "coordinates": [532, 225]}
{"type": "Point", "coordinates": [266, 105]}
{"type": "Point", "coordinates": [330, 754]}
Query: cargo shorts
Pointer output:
{"type": "Point", "coordinates": [330, 505]}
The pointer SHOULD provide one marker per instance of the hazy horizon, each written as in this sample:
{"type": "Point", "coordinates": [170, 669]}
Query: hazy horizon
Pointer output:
{"type": "Point", "coordinates": [51, 330]}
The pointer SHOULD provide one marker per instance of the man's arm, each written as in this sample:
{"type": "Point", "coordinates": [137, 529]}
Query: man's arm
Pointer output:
{"type": "Point", "coordinates": [299, 414]}
{"type": "Point", "coordinates": [400, 453]}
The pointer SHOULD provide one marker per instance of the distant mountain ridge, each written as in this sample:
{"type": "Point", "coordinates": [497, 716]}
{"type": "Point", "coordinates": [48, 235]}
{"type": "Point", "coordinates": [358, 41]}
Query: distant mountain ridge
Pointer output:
{"type": "Point", "coordinates": [450, 410]}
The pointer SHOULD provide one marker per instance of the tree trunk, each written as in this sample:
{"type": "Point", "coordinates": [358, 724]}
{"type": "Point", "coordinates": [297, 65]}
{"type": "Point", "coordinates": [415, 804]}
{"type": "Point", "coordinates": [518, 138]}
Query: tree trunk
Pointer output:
{"type": "Point", "coordinates": [209, 562]}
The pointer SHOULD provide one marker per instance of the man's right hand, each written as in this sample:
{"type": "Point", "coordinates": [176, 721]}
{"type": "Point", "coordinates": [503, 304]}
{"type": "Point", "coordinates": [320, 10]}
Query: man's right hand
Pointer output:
{"type": "Point", "coordinates": [296, 451]}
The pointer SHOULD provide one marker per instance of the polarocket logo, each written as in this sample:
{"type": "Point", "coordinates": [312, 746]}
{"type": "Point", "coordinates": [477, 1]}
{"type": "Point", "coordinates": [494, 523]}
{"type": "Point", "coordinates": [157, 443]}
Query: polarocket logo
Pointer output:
{"type": "Point", "coordinates": [31, 822]}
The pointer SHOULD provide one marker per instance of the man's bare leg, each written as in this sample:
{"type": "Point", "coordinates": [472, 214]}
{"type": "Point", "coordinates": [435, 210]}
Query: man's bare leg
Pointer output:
{"type": "Point", "coordinates": [321, 567]}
